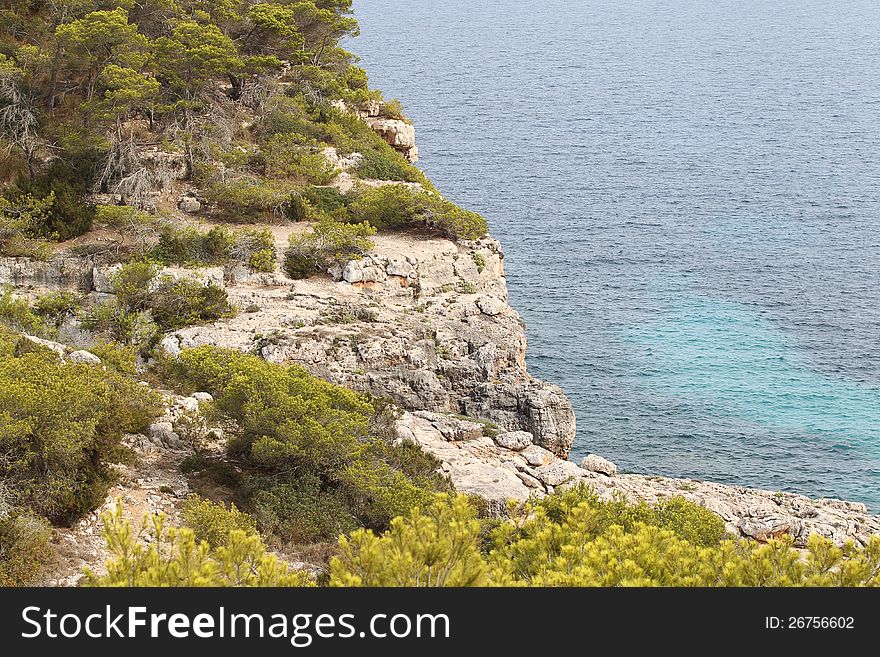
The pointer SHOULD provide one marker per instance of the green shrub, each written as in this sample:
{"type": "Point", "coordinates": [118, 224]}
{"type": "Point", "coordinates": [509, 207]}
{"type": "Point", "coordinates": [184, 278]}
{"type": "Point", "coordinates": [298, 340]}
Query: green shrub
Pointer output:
{"type": "Point", "coordinates": [213, 522]}
{"type": "Point", "coordinates": [326, 243]}
{"type": "Point", "coordinates": [116, 322]}
{"type": "Point", "coordinates": [298, 510]}
{"type": "Point", "coordinates": [17, 314]}
{"type": "Point", "coordinates": [263, 260]}
{"type": "Point", "coordinates": [161, 556]}
{"type": "Point", "coordinates": [291, 156]}
{"type": "Point", "coordinates": [395, 207]}
{"type": "Point", "coordinates": [24, 547]}
{"type": "Point", "coordinates": [327, 200]}
{"type": "Point", "coordinates": [120, 357]}
{"type": "Point", "coordinates": [316, 463]}
{"type": "Point", "coordinates": [133, 284]}
{"type": "Point", "coordinates": [387, 165]}
{"type": "Point", "coordinates": [55, 306]}
{"type": "Point", "coordinates": [189, 246]}
{"type": "Point", "coordinates": [248, 200]}
{"type": "Point", "coordinates": [181, 302]}
{"type": "Point", "coordinates": [60, 426]}
{"type": "Point", "coordinates": [439, 545]}
{"type": "Point", "coordinates": [22, 220]}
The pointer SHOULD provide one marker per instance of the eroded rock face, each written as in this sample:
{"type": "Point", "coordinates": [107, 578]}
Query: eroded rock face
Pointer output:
{"type": "Point", "coordinates": [72, 273]}
{"type": "Point", "coordinates": [417, 321]}
{"type": "Point", "coordinates": [399, 134]}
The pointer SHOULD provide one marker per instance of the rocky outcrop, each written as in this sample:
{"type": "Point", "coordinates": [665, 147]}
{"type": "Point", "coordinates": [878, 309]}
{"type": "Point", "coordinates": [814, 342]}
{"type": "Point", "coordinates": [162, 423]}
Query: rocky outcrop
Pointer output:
{"type": "Point", "coordinates": [399, 134]}
{"type": "Point", "coordinates": [60, 272]}
{"type": "Point", "coordinates": [423, 321]}
{"type": "Point", "coordinates": [507, 466]}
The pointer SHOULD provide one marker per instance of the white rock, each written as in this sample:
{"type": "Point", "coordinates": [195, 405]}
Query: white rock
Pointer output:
{"type": "Point", "coordinates": [595, 463]}
{"type": "Point", "coordinates": [82, 356]}
{"type": "Point", "coordinates": [536, 456]}
{"type": "Point", "coordinates": [490, 306]}
{"type": "Point", "coordinates": [57, 347]}
{"type": "Point", "coordinates": [171, 345]}
{"type": "Point", "coordinates": [558, 472]}
{"type": "Point", "coordinates": [187, 404]}
{"type": "Point", "coordinates": [515, 440]}
{"type": "Point", "coordinates": [189, 204]}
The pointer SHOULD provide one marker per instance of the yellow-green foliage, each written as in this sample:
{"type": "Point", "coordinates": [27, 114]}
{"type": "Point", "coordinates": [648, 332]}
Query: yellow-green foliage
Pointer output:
{"type": "Point", "coordinates": [436, 546]}
{"type": "Point", "coordinates": [317, 462]}
{"type": "Point", "coordinates": [146, 303]}
{"type": "Point", "coordinates": [214, 522]}
{"type": "Point", "coordinates": [244, 200]}
{"type": "Point", "coordinates": [173, 557]}
{"type": "Point", "coordinates": [61, 424]}
{"type": "Point", "coordinates": [24, 546]}
{"type": "Point", "coordinates": [288, 157]}
{"type": "Point", "coordinates": [217, 246]}
{"type": "Point", "coordinates": [326, 243]}
{"type": "Point", "coordinates": [401, 206]}
{"type": "Point", "coordinates": [17, 314]}
{"type": "Point", "coordinates": [21, 222]}
{"type": "Point", "coordinates": [569, 542]}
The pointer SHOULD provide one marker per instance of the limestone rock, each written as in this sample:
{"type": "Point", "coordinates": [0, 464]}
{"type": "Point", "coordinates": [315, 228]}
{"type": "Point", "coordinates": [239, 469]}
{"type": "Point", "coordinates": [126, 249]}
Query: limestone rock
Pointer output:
{"type": "Point", "coordinates": [47, 344]}
{"type": "Point", "coordinates": [537, 456]}
{"type": "Point", "coordinates": [595, 463]}
{"type": "Point", "coordinates": [82, 356]}
{"type": "Point", "coordinates": [170, 344]}
{"type": "Point", "coordinates": [490, 306]}
{"type": "Point", "coordinates": [515, 440]}
{"type": "Point", "coordinates": [558, 472]}
{"type": "Point", "coordinates": [189, 204]}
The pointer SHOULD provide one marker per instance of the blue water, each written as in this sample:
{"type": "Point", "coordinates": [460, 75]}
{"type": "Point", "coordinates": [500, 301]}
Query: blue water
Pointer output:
{"type": "Point", "coordinates": [688, 192]}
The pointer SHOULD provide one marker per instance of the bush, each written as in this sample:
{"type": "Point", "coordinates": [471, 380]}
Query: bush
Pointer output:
{"type": "Point", "coordinates": [56, 306]}
{"type": "Point", "coordinates": [326, 200]}
{"type": "Point", "coordinates": [24, 546]}
{"type": "Point", "coordinates": [22, 219]}
{"type": "Point", "coordinates": [288, 156]}
{"type": "Point", "coordinates": [248, 200]}
{"type": "Point", "coordinates": [327, 243]}
{"type": "Point", "coordinates": [573, 546]}
{"type": "Point", "coordinates": [113, 320]}
{"type": "Point", "coordinates": [298, 510]}
{"type": "Point", "coordinates": [213, 522]}
{"type": "Point", "coordinates": [17, 314]}
{"type": "Point", "coordinates": [263, 260]}
{"type": "Point", "coordinates": [60, 426]}
{"type": "Point", "coordinates": [181, 302]}
{"type": "Point", "coordinates": [163, 556]}
{"type": "Point", "coordinates": [316, 462]}
{"type": "Point", "coordinates": [189, 246]}
{"type": "Point", "coordinates": [387, 165]}
{"type": "Point", "coordinates": [396, 207]}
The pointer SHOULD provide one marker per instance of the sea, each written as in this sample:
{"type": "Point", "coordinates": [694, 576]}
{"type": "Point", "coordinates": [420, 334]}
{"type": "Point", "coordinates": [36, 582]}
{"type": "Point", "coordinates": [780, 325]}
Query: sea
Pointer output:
{"type": "Point", "coordinates": [688, 195]}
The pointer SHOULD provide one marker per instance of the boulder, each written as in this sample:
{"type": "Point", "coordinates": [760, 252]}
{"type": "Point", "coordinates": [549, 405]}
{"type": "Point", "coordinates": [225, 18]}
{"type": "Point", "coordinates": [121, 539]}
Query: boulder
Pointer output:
{"type": "Point", "coordinates": [490, 306]}
{"type": "Point", "coordinates": [57, 347]}
{"type": "Point", "coordinates": [515, 440]}
{"type": "Point", "coordinates": [85, 357]}
{"type": "Point", "coordinates": [189, 204]}
{"type": "Point", "coordinates": [537, 456]}
{"type": "Point", "coordinates": [595, 463]}
{"type": "Point", "coordinates": [558, 472]}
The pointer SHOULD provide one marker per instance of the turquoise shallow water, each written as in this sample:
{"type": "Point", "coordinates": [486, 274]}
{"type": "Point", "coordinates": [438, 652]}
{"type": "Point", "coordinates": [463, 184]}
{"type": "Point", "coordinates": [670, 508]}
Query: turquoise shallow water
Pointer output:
{"type": "Point", "coordinates": [688, 192]}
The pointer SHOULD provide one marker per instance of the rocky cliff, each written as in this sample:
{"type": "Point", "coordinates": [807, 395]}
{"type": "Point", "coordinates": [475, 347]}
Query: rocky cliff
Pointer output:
{"type": "Point", "coordinates": [424, 322]}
